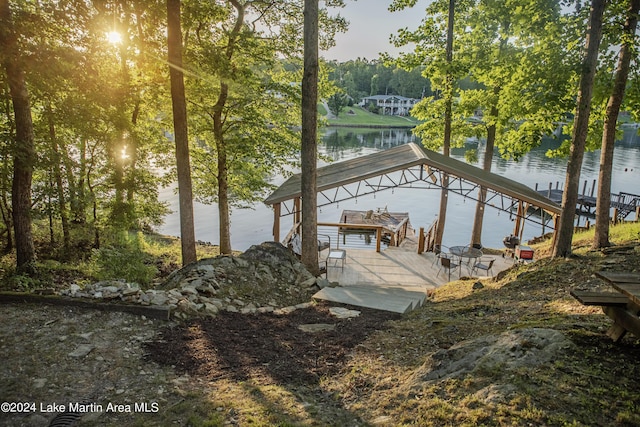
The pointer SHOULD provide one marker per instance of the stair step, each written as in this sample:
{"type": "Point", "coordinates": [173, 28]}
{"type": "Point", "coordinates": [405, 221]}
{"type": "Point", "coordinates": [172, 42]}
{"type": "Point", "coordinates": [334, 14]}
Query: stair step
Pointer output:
{"type": "Point", "coordinates": [389, 298]}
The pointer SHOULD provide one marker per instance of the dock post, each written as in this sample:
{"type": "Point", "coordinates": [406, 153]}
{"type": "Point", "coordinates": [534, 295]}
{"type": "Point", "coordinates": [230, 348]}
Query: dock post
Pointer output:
{"type": "Point", "coordinates": [421, 241]}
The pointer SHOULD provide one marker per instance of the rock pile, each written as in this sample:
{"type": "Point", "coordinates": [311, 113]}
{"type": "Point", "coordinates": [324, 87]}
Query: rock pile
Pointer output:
{"type": "Point", "coordinates": [265, 278]}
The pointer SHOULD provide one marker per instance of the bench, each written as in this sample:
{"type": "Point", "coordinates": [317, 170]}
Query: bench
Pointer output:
{"type": "Point", "coordinates": [608, 299]}
{"type": "Point", "coordinates": [615, 305]}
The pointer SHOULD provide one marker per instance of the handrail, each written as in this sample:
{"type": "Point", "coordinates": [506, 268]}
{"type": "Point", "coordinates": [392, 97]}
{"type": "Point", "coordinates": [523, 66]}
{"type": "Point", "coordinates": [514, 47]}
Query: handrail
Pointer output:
{"type": "Point", "coordinates": [428, 239]}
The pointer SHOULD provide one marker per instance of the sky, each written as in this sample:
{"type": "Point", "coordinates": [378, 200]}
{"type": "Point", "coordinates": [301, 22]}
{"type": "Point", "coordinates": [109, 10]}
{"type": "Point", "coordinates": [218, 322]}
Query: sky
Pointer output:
{"type": "Point", "coordinates": [370, 25]}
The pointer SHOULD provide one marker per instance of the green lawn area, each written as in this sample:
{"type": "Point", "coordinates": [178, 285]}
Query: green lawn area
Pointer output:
{"type": "Point", "coordinates": [357, 116]}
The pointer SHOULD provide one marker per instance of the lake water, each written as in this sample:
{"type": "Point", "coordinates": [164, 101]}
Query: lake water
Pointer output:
{"type": "Point", "coordinates": [253, 226]}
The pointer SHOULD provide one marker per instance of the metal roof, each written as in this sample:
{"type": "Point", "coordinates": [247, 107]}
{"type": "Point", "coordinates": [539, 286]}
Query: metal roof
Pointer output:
{"type": "Point", "coordinates": [404, 157]}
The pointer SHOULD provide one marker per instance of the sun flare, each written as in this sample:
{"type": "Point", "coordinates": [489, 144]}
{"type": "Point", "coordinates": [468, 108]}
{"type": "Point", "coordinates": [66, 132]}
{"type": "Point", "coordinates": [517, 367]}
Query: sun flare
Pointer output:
{"type": "Point", "coordinates": [114, 37]}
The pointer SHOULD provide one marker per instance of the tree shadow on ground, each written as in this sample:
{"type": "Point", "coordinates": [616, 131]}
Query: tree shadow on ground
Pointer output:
{"type": "Point", "coordinates": [266, 348]}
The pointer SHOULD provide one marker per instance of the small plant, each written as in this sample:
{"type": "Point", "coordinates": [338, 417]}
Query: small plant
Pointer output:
{"type": "Point", "coordinates": [123, 260]}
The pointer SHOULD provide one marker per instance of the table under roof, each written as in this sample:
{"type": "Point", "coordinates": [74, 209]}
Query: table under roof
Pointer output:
{"type": "Point", "coordinates": [409, 165]}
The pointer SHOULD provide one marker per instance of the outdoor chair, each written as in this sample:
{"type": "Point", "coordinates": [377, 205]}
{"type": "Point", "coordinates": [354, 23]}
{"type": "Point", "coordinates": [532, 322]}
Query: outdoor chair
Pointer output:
{"type": "Point", "coordinates": [440, 251]}
{"type": "Point", "coordinates": [485, 265]}
{"type": "Point", "coordinates": [447, 264]}
{"type": "Point", "coordinates": [332, 257]}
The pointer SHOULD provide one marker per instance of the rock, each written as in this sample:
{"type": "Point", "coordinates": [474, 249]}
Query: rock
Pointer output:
{"type": "Point", "coordinates": [322, 282]}
{"type": "Point", "coordinates": [188, 290]}
{"type": "Point", "coordinates": [478, 285]}
{"type": "Point", "coordinates": [343, 313]}
{"type": "Point", "coordinates": [39, 382]}
{"type": "Point", "coordinates": [285, 310]}
{"type": "Point", "coordinates": [309, 282]}
{"type": "Point", "coordinates": [81, 350]}
{"type": "Point", "coordinates": [505, 352]}
{"type": "Point", "coordinates": [210, 308]}
{"type": "Point", "coordinates": [159, 299]}
{"type": "Point", "coordinates": [316, 327]}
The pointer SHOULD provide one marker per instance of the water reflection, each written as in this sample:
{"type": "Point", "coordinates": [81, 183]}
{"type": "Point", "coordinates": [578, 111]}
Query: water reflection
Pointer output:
{"type": "Point", "coordinates": [252, 226]}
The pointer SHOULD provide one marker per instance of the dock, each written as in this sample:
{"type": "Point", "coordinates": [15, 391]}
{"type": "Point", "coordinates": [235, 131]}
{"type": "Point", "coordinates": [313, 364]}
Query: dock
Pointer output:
{"type": "Point", "coordinates": [395, 225]}
{"type": "Point", "coordinates": [395, 279]}
{"type": "Point", "coordinates": [623, 203]}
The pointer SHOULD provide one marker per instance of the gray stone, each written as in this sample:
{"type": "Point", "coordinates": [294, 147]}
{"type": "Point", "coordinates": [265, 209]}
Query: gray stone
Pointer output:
{"type": "Point", "coordinates": [159, 299]}
{"type": "Point", "coordinates": [316, 327]}
{"type": "Point", "coordinates": [322, 282]}
{"type": "Point", "coordinates": [343, 313]}
{"type": "Point", "coordinates": [309, 282]}
{"type": "Point", "coordinates": [231, 309]}
{"type": "Point", "coordinates": [211, 309]}
{"type": "Point", "coordinates": [39, 382]}
{"type": "Point", "coordinates": [195, 283]}
{"type": "Point", "coordinates": [82, 350]}
{"type": "Point", "coordinates": [188, 290]}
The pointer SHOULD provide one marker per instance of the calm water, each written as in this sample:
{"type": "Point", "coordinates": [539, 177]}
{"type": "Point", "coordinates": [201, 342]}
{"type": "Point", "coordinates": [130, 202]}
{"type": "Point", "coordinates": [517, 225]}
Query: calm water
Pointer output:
{"type": "Point", "coordinates": [253, 226]}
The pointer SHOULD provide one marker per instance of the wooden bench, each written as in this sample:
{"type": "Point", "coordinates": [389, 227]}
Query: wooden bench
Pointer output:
{"type": "Point", "coordinates": [615, 305]}
{"type": "Point", "coordinates": [604, 299]}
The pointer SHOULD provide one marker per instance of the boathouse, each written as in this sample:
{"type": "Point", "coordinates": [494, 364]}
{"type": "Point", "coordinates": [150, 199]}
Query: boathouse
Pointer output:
{"type": "Point", "coordinates": [411, 166]}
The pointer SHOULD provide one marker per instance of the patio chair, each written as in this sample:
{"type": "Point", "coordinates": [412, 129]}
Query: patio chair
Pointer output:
{"type": "Point", "coordinates": [440, 251]}
{"type": "Point", "coordinates": [336, 255]}
{"type": "Point", "coordinates": [447, 264]}
{"type": "Point", "coordinates": [485, 265]}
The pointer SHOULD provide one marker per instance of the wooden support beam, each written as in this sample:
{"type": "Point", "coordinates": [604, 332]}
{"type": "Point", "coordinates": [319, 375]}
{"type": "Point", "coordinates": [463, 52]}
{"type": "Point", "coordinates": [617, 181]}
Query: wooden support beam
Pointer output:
{"type": "Point", "coordinates": [276, 221]}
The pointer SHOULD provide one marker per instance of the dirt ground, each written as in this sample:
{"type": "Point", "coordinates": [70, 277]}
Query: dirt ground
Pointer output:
{"type": "Point", "coordinates": [55, 357]}
{"type": "Point", "coordinates": [267, 346]}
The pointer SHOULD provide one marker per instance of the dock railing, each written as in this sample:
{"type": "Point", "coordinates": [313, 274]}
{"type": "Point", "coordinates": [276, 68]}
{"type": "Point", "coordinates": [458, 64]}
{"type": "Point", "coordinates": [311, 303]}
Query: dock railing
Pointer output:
{"type": "Point", "coordinates": [427, 241]}
{"type": "Point", "coordinates": [362, 236]}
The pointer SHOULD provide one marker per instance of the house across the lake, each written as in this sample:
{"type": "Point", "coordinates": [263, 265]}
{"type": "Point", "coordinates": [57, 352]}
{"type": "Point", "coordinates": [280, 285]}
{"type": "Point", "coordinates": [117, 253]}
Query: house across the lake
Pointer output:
{"type": "Point", "coordinates": [390, 105]}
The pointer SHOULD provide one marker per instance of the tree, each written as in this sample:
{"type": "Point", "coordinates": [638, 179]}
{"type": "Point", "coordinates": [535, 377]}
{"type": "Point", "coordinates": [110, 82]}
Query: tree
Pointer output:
{"type": "Point", "coordinates": [24, 152]}
{"type": "Point", "coordinates": [174, 45]}
{"type": "Point", "coordinates": [564, 231]}
{"type": "Point", "coordinates": [309, 137]}
{"type": "Point", "coordinates": [628, 45]}
{"type": "Point", "coordinates": [511, 53]}
{"type": "Point", "coordinates": [439, 120]}
{"type": "Point", "coordinates": [337, 102]}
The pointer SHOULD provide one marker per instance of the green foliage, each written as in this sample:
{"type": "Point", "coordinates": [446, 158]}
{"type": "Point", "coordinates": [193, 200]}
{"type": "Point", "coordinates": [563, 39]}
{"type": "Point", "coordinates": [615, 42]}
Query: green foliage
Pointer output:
{"type": "Point", "coordinates": [361, 78]}
{"type": "Point", "coordinates": [124, 259]}
{"type": "Point", "coordinates": [337, 102]}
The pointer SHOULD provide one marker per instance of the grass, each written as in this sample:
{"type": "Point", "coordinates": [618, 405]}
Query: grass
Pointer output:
{"type": "Point", "coordinates": [574, 389]}
{"type": "Point", "coordinates": [362, 117]}
{"type": "Point", "coordinates": [594, 384]}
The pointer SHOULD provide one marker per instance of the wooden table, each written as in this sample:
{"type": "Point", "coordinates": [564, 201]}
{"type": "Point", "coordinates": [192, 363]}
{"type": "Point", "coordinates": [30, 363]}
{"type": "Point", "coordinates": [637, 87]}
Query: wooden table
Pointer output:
{"type": "Point", "coordinates": [625, 318]}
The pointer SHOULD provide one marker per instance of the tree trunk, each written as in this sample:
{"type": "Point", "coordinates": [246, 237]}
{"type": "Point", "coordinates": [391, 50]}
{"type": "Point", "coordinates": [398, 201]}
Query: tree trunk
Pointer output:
{"type": "Point", "coordinates": [178, 99]}
{"type": "Point", "coordinates": [57, 174]}
{"type": "Point", "coordinates": [224, 215]}
{"type": "Point", "coordinates": [562, 247]}
{"type": "Point", "coordinates": [24, 153]}
{"type": "Point", "coordinates": [223, 172]}
{"type": "Point", "coordinates": [444, 195]}
{"type": "Point", "coordinates": [603, 203]}
{"type": "Point", "coordinates": [476, 232]}
{"type": "Point", "coordinates": [309, 138]}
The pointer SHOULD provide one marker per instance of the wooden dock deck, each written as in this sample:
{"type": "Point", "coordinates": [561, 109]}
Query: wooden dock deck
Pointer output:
{"type": "Point", "coordinates": [399, 267]}
{"type": "Point", "coordinates": [395, 279]}
{"type": "Point", "coordinates": [623, 203]}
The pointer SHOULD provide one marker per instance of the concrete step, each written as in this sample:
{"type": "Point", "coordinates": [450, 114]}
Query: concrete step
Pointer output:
{"type": "Point", "coordinates": [396, 299]}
